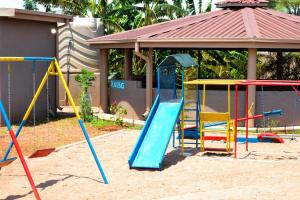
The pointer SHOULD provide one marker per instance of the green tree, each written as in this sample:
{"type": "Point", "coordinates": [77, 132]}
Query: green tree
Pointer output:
{"type": "Point", "coordinates": [290, 65]}
{"type": "Point", "coordinates": [48, 4]}
{"type": "Point", "coordinates": [30, 5]}
{"type": "Point", "coordinates": [191, 7]}
{"type": "Point", "coordinates": [154, 11]}
{"type": "Point", "coordinates": [85, 81]}
{"type": "Point", "coordinates": [292, 6]}
{"type": "Point", "coordinates": [71, 7]}
{"type": "Point", "coordinates": [289, 6]}
{"type": "Point", "coordinates": [224, 64]}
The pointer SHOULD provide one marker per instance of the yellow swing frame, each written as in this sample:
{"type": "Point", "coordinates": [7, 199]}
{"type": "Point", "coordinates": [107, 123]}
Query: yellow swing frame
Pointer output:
{"type": "Point", "coordinates": [53, 70]}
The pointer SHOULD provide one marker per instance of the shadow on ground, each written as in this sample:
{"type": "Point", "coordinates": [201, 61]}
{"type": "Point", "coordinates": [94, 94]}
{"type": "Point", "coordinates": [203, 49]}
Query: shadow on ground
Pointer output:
{"type": "Point", "coordinates": [49, 183]}
{"type": "Point", "coordinates": [173, 157]}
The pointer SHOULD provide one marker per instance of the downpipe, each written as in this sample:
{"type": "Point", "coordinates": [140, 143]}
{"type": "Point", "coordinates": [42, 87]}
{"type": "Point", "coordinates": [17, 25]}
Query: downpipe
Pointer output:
{"type": "Point", "coordinates": [147, 60]}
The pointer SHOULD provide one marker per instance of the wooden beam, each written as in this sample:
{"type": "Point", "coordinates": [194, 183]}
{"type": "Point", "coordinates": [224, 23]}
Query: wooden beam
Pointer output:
{"type": "Point", "coordinates": [104, 80]}
{"type": "Point", "coordinates": [279, 65]}
{"type": "Point", "coordinates": [127, 64]}
{"type": "Point", "coordinates": [149, 80]}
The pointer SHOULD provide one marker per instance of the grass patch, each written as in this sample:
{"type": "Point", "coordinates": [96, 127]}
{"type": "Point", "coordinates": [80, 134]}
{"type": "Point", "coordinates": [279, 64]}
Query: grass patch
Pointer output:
{"type": "Point", "coordinates": [135, 127]}
{"type": "Point", "coordinates": [101, 123]}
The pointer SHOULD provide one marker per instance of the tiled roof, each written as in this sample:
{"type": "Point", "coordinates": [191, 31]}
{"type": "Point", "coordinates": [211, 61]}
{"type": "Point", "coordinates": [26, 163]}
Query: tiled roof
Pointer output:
{"type": "Point", "coordinates": [248, 23]}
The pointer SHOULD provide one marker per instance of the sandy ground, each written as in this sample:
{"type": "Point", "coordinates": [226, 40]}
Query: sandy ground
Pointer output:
{"type": "Point", "coordinates": [269, 171]}
{"type": "Point", "coordinates": [55, 133]}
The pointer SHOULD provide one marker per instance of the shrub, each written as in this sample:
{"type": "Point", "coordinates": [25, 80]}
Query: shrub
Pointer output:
{"type": "Point", "coordinates": [85, 81]}
{"type": "Point", "coordinates": [118, 112]}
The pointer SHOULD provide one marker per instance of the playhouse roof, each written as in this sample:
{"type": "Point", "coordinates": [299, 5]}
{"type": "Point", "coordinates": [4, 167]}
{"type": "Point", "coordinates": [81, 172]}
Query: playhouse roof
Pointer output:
{"type": "Point", "coordinates": [185, 60]}
{"type": "Point", "coordinates": [231, 27]}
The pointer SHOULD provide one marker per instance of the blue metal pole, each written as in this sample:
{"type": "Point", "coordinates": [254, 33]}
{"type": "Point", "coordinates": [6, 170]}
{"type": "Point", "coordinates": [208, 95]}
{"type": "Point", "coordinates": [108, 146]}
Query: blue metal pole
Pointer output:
{"type": "Point", "coordinates": [158, 81]}
{"type": "Point", "coordinates": [182, 84]}
{"type": "Point", "coordinates": [38, 59]}
{"type": "Point", "coordinates": [5, 116]}
{"type": "Point", "coordinates": [93, 150]}
{"type": "Point", "coordinates": [11, 143]}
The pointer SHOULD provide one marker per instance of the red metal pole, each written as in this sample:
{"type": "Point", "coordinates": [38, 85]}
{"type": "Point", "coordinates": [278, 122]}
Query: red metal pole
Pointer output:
{"type": "Point", "coordinates": [236, 118]}
{"type": "Point", "coordinates": [19, 151]}
{"type": "Point", "coordinates": [251, 117]}
{"type": "Point", "coordinates": [247, 116]}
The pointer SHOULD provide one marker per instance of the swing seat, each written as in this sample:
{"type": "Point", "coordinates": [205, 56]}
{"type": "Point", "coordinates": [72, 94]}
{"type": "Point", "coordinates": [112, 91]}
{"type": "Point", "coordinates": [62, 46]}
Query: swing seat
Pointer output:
{"type": "Point", "coordinates": [212, 149]}
{"type": "Point", "coordinates": [4, 163]}
{"type": "Point", "coordinates": [42, 153]}
{"type": "Point", "coordinates": [269, 137]}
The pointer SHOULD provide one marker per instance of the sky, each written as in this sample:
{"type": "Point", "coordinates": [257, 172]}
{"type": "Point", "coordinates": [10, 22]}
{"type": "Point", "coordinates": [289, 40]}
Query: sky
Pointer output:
{"type": "Point", "coordinates": [19, 3]}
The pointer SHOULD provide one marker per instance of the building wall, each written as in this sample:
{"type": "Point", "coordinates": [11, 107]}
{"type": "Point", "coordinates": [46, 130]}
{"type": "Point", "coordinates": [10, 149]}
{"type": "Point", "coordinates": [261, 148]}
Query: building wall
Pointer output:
{"type": "Point", "coordinates": [75, 54]}
{"type": "Point", "coordinates": [133, 99]}
{"type": "Point", "coordinates": [26, 38]}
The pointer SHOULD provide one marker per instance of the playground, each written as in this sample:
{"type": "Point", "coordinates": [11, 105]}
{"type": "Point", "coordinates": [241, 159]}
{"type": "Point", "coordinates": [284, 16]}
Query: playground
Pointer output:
{"type": "Point", "coordinates": [210, 151]}
{"type": "Point", "coordinates": [271, 171]}
{"type": "Point", "coordinates": [195, 107]}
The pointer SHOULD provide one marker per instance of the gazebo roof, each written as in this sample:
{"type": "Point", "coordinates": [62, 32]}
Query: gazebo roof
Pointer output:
{"type": "Point", "coordinates": [242, 3]}
{"type": "Point", "coordinates": [239, 27]}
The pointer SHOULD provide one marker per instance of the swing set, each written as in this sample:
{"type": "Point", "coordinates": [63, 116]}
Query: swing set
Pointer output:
{"type": "Point", "coordinates": [262, 83]}
{"type": "Point", "coordinates": [219, 126]}
{"type": "Point", "coordinates": [52, 70]}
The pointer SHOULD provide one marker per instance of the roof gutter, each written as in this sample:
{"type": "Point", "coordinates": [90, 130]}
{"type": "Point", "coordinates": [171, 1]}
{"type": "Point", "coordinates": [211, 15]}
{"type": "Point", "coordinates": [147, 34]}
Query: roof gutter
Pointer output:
{"type": "Point", "coordinates": [147, 60]}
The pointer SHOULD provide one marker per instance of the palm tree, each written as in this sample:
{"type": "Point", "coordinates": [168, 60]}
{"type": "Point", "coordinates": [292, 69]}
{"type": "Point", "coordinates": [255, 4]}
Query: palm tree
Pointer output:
{"type": "Point", "coordinates": [224, 64]}
{"type": "Point", "coordinates": [154, 11]}
{"type": "Point", "coordinates": [290, 6]}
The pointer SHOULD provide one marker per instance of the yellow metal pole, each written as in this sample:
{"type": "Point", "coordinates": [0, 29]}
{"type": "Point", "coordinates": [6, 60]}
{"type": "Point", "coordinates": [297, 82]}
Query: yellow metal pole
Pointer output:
{"type": "Point", "coordinates": [228, 122]}
{"type": "Point", "coordinates": [228, 99]}
{"type": "Point", "coordinates": [16, 59]}
{"type": "Point", "coordinates": [37, 93]}
{"type": "Point", "coordinates": [201, 136]}
{"type": "Point", "coordinates": [67, 89]}
{"type": "Point", "coordinates": [201, 123]}
{"type": "Point", "coordinates": [203, 98]}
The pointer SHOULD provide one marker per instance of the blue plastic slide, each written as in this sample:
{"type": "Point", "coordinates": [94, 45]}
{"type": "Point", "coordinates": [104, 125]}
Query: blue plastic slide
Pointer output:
{"type": "Point", "coordinates": [155, 136]}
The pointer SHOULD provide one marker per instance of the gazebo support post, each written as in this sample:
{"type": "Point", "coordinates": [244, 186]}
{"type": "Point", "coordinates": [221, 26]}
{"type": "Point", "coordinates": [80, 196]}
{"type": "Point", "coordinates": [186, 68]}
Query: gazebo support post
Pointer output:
{"type": "Point", "coordinates": [251, 75]}
{"type": "Point", "coordinates": [103, 80]}
{"type": "Point", "coordinates": [149, 81]}
{"type": "Point", "coordinates": [279, 67]}
{"type": "Point", "coordinates": [149, 75]}
{"type": "Point", "coordinates": [127, 64]}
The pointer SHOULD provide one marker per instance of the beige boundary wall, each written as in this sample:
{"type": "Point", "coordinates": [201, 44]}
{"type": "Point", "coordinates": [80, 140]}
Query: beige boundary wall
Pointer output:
{"type": "Point", "coordinates": [133, 98]}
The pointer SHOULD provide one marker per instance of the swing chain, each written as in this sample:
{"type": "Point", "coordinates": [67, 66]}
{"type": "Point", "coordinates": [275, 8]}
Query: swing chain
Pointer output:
{"type": "Point", "coordinates": [9, 90]}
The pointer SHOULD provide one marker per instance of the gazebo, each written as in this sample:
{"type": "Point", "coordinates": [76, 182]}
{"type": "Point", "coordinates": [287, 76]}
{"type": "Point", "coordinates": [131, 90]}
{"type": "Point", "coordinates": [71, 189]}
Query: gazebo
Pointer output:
{"type": "Point", "coordinates": [237, 25]}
